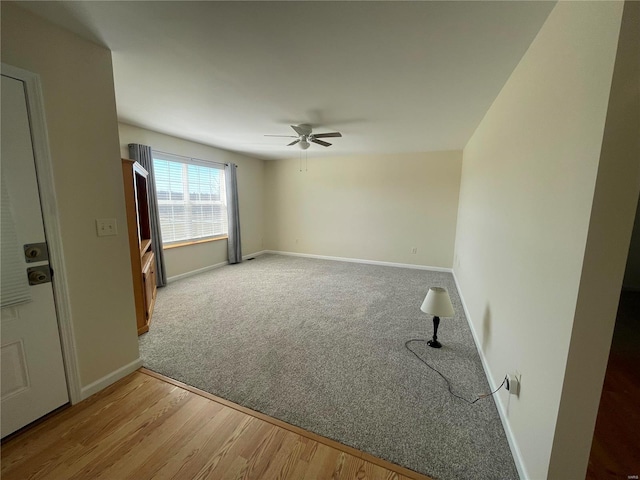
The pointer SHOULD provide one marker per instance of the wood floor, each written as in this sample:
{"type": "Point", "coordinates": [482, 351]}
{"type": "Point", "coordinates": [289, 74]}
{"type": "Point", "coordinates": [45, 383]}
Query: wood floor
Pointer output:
{"type": "Point", "coordinates": [615, 448]}
{"type": "Point", "coordinates": [145, 427]}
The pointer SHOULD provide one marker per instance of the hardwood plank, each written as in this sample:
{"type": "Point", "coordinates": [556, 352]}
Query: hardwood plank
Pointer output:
{"type": "Point", "coordinates": [32, 440]}
{"type": "Point", "coordinates": [614, 450]}
{"type": "Point", "coordinates": [284, 462]}
{"type": "Point", "coordinates": [354, 468]}
{"type": "Point", "coordinates": [108, 446]}
{"type": "Point", "coordinates": [234, 472]}
{"type": "Point", "coordinates": [187, 446]}
{"type": "Point", "coordinates": [221, 456]}
{"type": "Point", "coordinates": [110, 418]}
{"type": "Point", "coordinates": [211, 440]}
{"type": "Point", "coordinates": [375, 472]}
{"type": "Point", "coordinates": [132, 458]}
{"type": "Point", "coordinates": [144, 427]}
{"type": "Point", "coordinates": [259, 459]}
{"type": "Point", "coordinates": [327, 462]}
{"type": "Point", "coordinates": [64, 439]}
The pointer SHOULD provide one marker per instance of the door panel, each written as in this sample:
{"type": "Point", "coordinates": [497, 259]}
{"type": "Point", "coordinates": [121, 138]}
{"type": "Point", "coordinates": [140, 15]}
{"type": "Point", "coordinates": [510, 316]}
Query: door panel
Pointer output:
{"type": "Point", "coordinates": [33, 378]}
{"type": "Point", "coordinates": [15, 377]}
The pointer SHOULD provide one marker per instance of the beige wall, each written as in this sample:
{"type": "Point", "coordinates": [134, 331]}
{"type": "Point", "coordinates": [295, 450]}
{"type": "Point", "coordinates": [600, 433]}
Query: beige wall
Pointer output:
{"type": "Point", "coordinates": [528, 178]}
{"type": "Point", "coordinates": [372, 207]}
{"type": "Point", "coordinates": [77, 82]}
{"type": "Point", "coordinates": [250, 191]}
{"type": "Point", "coordinates": [612, 215]}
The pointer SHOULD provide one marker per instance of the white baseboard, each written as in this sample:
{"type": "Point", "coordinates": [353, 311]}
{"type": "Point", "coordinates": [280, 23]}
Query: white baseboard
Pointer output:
{"type": "Point", "coordinates": [513, 445]}
{"type": "Point", "coordinates": [253, 255]}
{"type": "Point", "coordinates": [196, 272]}
{"type": "Point", "coordinates": [210, 267]}
{"type": "Point", "coordinates": [107, 380]}
{"type": "Point", "coordinates": [359, 260]}
{"type": "Point", "coordinates": [309, 255]}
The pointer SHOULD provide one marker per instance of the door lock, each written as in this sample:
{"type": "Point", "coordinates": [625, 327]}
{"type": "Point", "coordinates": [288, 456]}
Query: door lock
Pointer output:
{"type": "Point", "coordinates": [39, 275]}
{"type": "Point", "coordinates": [36, 252]}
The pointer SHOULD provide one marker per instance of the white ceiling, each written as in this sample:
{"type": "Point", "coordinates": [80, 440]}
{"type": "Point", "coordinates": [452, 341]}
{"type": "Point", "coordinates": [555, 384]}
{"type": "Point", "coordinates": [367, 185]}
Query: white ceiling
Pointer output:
{"type": "Point", "coordinates": [391, 76]}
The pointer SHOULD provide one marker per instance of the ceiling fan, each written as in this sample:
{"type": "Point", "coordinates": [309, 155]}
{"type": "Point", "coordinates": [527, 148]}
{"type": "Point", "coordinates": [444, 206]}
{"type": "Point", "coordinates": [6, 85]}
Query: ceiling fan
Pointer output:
{"type": "Point", "coordinates": [306, 136]}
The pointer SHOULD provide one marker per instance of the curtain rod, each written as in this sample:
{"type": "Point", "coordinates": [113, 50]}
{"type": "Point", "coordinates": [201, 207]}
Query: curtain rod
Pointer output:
{"type": "Point", "coordinates": [189, 158]}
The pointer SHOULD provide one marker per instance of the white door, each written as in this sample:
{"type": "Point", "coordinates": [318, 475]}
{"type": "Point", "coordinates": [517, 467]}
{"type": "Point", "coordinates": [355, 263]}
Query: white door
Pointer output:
{"type": "Point", "coordinates": [33, 376]}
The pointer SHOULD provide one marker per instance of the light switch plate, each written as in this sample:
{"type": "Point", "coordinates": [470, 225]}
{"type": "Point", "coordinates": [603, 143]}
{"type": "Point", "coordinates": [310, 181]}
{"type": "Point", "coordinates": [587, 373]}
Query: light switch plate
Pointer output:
{"type": "Point", "coordinates": [106, 227]}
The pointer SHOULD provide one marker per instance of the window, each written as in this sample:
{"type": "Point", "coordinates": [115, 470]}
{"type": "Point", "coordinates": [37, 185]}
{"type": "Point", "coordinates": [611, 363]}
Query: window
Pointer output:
{"type": "Point", "coordinates": [192, 201]}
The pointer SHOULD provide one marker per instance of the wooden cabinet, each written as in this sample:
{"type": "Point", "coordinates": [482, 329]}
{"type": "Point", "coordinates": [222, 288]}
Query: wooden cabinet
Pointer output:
{"type": "Point", "coordinates": [149, 280]}
{"type": "Point", "coordinates": [141, 247]}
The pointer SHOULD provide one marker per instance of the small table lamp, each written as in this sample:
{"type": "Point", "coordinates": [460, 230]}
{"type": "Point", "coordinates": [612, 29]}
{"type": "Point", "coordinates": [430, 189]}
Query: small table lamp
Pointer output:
{"type": "Point", "coordinates": [438, 304]}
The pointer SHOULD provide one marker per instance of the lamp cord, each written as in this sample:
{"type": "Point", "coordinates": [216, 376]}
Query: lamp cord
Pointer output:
{"type": "Point", "coordinates": [470, 402]}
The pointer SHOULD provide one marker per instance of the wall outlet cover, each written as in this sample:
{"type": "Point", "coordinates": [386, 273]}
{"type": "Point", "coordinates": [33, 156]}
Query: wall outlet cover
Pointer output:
{"type": "Point", "coordinates": [513, 384]}
{"type": "Point", "coordinates": [106, 227]}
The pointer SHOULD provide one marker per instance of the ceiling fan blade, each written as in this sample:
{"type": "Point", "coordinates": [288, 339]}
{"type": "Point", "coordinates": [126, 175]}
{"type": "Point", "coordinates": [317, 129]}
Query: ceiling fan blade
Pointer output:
{"type": "Point", "coordinates": [326, 135]}
{"type": "Point", "coordinates": [285, 136]}
{"type": "Point", "coordinates": [293, 143]}
{"type": "Point", "coordinates": [320, 142]}
{"type": "Point", "coordinates": [302, 129]}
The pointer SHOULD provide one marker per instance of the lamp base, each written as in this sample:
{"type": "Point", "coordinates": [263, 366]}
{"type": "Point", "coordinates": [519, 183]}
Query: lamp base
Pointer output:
{"type": "Point", "coordinates": [434, 344]}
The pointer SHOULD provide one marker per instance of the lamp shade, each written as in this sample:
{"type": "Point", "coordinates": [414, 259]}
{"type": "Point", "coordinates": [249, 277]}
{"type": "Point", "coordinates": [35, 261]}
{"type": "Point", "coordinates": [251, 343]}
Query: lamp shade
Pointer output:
{"type": "Point", "coordinates": [437, 303]}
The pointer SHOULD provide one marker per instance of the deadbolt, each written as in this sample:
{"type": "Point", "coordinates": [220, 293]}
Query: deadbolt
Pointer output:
{"type": "Point", "coordinates": [36, 252]}
{"type": "Point", "coordinates": [39, 275]}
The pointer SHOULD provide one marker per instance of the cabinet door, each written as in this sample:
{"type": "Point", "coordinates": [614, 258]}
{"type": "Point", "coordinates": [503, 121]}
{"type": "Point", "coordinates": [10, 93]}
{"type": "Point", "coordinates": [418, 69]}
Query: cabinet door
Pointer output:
{"type": "Point", "coordinates": [149, 279]}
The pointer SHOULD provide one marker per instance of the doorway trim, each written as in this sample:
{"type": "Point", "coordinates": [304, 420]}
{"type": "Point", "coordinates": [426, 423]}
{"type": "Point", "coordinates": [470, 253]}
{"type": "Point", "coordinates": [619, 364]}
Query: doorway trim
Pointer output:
{"type": "Point", "coordinates": [49, 207]}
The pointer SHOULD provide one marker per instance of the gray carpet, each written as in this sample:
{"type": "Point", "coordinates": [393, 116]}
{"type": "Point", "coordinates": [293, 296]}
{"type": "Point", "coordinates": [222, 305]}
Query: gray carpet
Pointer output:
{"type": "Point", "coordinates": [320, 344]}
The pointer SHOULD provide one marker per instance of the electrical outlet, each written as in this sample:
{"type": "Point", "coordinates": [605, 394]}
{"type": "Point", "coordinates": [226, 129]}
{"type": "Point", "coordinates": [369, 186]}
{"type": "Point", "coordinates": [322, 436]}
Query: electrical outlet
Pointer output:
{"type": "Point", "coordinates": [513, 383]}
{"type": "Point", "coordinates": [106, 227]}
{"type": "Point", "coordinates": [414, 249]}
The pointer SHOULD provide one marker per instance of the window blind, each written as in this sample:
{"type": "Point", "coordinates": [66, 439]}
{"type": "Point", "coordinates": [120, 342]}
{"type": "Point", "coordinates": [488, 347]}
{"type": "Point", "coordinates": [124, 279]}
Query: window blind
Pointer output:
{"type": "Point", "coordinates": [191, 198]}
{"type": "Point", "coordinates": [15, 287]}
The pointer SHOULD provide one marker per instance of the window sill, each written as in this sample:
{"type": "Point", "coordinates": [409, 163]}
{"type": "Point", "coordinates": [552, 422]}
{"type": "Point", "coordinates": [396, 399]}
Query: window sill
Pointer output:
{"type": "Point", "coordinates": [193, 242]}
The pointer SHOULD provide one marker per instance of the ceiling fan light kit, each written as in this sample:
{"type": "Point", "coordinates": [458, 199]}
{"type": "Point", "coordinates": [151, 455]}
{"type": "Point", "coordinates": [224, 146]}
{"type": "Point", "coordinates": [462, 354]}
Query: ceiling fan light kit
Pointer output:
{"type": "Point", "coordinates": [306, 136]}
